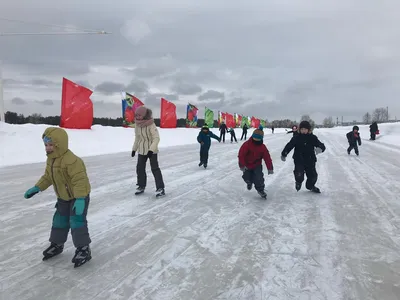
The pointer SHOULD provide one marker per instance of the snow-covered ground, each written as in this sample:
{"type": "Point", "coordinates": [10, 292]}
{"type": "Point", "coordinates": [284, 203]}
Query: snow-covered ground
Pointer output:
{"type": "Point", "coordinates": [209, 238]}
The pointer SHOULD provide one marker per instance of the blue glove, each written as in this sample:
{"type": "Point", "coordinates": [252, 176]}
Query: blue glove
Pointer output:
{"type": "Point", "coordinates": [79, 206]}
{"type": "Point", "coordinates": [31, 192]}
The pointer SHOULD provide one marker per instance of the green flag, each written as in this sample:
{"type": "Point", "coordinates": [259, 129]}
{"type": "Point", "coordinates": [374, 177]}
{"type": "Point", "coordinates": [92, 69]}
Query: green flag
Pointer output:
{"type": "Point", "coordinates": [209, 118]}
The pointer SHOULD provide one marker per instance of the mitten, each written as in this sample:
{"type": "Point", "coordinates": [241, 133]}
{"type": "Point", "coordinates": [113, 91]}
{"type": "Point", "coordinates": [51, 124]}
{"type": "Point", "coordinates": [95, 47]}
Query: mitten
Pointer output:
{"type": "Point", "coordinates": [149, 154]}
{"type": "Point", "coordinates": [270, 172]}
{"type": "Point", "coordinates": [31, 192]}
{"type": "Point", "coordinates": [283, 158]}
{"type": "Point", "coordinates": [318, 150]}
{"type": "Point", "coordinates": [133, 153]}
{"type": "Point", "coordinates": [79, 206]}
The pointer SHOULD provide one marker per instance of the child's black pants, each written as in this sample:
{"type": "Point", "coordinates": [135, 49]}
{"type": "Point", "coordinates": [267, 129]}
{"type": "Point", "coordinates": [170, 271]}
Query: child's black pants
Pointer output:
{"type": "Point", "coordinates": [204, 155]}
{"type": "Point", "coordinates": [255, 176]}
{"type": "Point", "coordinates": [309, 170]}
{"type": "Point", "coordinates": [353, 146]}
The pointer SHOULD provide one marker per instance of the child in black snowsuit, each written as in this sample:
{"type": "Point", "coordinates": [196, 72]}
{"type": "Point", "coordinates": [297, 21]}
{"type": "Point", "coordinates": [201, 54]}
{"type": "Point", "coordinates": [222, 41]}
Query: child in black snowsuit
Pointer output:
{"type": "Point", "coordinates": [204, 139]}
{"type": "Point", "coordinates": [223, 129]}
{"type": "Point", "coordinates": [353, 137]}
{"type": "Point", "coordinates": [294, 130]}
{"type": "Point", "coordinates": [373, 128]}
{"type": "Point", "coordinates": [304, 145]}
{"type": "Point", "coordinates": [233, 135]}
{"type": "Point", "coordinates": [244, 132]}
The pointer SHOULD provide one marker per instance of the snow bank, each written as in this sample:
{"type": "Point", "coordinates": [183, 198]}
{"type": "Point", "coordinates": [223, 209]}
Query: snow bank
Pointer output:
{"type": "Point", "coordinates": [22, 144]}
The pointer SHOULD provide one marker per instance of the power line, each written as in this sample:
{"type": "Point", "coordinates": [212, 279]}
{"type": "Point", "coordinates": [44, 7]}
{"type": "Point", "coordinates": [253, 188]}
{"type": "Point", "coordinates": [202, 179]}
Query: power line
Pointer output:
{"type": "Point", "coordinates": [47, 25]}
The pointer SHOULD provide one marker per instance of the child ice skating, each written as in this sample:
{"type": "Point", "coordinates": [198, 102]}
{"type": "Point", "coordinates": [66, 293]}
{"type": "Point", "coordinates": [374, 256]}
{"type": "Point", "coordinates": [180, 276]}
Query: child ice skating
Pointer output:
{"type": "Point", "coordinates": [233, 135]}
{"type": "Point", "coordinates": [304, 157]}
{"type": "Point", "coordinates": [354, 139]}
{"type": "Point", "coordinates": [294, 130]}
{"type": "Point", "coordinates": [146, 143]}
{"type": "Point", "coordinates": [66, 172]}
{"type": "Point", "coordinates": [204, 139]}
{"type": "Point", "coordinates": [251, 154]}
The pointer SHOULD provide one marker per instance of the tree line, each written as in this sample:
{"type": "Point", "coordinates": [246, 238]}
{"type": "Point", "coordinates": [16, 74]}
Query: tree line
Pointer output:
{"type": "Point", "coordinates": [15, 118]}
{"type": "Point", "coordinates": [380, 115]}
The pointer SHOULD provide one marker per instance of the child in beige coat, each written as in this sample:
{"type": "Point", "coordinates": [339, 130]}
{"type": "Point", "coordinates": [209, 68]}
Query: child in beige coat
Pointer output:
{"type": "Point", "coordinates": [146, 145]}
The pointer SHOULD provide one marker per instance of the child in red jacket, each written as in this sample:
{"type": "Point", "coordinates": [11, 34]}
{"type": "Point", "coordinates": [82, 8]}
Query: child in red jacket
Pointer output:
{"type": "Point", "coordinates": [251, 154]}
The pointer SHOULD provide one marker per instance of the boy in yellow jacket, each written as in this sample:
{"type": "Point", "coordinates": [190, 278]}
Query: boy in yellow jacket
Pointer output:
{"type": "Point", "coordinates": [67, 173]}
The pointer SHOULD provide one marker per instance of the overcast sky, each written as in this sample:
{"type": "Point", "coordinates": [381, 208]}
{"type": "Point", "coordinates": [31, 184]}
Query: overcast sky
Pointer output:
{"type": "Point", "coordinates": [272, 59]}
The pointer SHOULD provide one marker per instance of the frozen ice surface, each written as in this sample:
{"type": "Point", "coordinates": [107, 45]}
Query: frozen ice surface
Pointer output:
{"type": "Point", "coordinates": [210, 238]}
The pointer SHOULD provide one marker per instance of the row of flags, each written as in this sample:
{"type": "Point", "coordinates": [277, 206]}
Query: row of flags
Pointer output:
{"type": "Point", "coordinates": [168, 117]}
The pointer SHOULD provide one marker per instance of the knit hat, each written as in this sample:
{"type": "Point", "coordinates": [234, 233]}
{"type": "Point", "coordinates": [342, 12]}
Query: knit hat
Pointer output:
{"type": "Point", "coordinates": [205, 127]}
{"type": "Point", "coordinates": [356, 128]}
{"type": "Point", "coordinates": [257, 135]}
{"type": "Point", "coordinates": [141, 111]}
{"type": "Point", "coordinates": [305, 124]}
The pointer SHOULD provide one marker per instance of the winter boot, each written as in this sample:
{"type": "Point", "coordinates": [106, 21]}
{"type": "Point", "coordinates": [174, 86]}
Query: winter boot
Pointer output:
{"type": "Point", "coordinates": [139, 190]}
{"type": "Point", "coordinates": [348, 152]}
{"type": "Point", "coordinates": [315, 190]}
{"type": "Point", "coordinates": [52, 250]}
{"type": "Point", "coordinates": [249, 185]}
{"type": "Point", "coordinates": [160, 193]}
{"type": "Point", "coordinates": [298, 186]}
{"type": "Point", "coordinates": [82, 255]}
{"type": "Point", "coordinates": [263, 194]}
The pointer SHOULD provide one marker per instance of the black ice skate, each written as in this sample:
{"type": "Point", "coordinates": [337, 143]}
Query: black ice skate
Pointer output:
{"type": "Point", "coordinates": [82, 255]}
{"type": "Point", "coordinates": [160, 193]}
{"type": "Point", "coordinates": [205, 166]}
{"type": "Point", "coordinates": [263, 194]}
{"type": "Point", "coordinates": [298, 186]}
{"type": "Point", "coordinates": [139, 190]}
{"type": "Point", "coordinates": [200, 164]}
{"type": "Point", "coordinates": [315, 190]}
{"type": "Point", "coordinates": [52, 250]}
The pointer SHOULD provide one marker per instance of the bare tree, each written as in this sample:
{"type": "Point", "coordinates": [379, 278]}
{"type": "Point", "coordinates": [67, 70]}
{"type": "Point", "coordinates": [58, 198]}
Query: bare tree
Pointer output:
{"type": "Point", "coordinates": [367, 118]}
{"type": "Point", "coordinates": [307, 118]}
{"type": "Point", "coordinates": [328, 122]}
{"type": "Point", "coordinates": [35, 118]}
{"type": "Point", "coordinates": [380, 114]}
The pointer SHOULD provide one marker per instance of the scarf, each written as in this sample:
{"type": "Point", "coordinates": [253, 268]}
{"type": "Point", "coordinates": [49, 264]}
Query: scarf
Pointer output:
{"type": "Point", "coordinates": [144, 123]}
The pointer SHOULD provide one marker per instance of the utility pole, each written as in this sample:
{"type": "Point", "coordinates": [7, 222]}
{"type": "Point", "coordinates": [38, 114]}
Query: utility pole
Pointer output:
{"type": "Point", "coordinates": [2, 112]}
{"type": "Point", "coordinates": [342, 120]}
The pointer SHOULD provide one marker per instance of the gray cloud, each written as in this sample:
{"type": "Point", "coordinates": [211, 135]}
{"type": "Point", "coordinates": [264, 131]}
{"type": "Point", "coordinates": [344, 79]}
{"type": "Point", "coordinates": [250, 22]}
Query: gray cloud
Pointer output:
{"type": "Point", "coordinates": [155, 99]}
{"type": "Point", "coordinates": [138, 87]}
{"type": "Point", "coordinates": [185, 88]}
{"type": "Point", "coordinates": [211, 95]}
{"type": "Point", "coordinates": [45, 102]}
{"type": "Point", "coordinates": [18, 101]}
{"type": "Point", "coordinates": [109, 88]}
{"type": "Point", "coordinates": [281, 59]}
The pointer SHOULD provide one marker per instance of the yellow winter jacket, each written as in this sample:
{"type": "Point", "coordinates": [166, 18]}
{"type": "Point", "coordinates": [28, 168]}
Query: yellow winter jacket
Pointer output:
{"type": "Point", "coordinates": [64, 170]}
{"type": "Point", "coordinates": [146, 139]}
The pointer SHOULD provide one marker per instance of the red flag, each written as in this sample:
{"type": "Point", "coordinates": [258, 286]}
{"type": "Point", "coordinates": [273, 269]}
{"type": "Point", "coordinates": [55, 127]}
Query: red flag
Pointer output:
{"type": "Point", "coordinates": [167, 114]}
{"type": "Point", "coordinates": [76, 106]}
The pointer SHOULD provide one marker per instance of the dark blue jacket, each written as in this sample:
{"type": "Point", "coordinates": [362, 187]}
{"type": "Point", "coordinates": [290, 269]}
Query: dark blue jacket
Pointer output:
{"type": "Point", "coordinates": [206, 139]}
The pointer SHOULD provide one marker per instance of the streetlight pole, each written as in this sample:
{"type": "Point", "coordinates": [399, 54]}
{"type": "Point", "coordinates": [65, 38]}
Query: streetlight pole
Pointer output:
{"type": "Point", "coordinates": [2, 110]}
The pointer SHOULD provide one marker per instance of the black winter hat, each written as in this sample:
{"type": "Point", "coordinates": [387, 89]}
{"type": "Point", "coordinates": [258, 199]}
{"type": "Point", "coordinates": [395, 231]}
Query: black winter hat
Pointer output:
{"type": "Point", "coordinates": [305, 124]}
{"type": "Point", "coordinates": [356, 128]}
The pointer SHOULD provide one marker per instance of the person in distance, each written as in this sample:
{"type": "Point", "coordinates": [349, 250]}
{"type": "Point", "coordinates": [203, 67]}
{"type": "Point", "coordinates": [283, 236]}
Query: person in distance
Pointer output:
{"type": "Point", "coordinates": [354, 138]}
